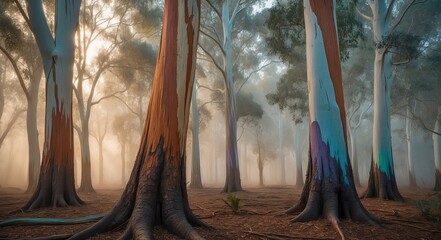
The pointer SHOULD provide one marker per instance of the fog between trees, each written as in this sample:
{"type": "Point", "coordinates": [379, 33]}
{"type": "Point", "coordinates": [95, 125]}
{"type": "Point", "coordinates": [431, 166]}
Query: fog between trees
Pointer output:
{"type": "Point", "coordinates": [117, 68]}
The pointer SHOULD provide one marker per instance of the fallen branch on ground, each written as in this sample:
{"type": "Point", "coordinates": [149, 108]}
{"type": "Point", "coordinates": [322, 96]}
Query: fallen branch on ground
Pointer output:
{"type": "Point", "coordinates": [50, 221]}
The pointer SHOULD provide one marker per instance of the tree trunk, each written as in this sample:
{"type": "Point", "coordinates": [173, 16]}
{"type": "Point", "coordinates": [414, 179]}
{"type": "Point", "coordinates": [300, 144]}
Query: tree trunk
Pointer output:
{"type": "Point", "coordinates": [156, 192]}
{"type": "Point", "coordinates": [299, 169]}
{"type": "Point", "coordinates": [232, 181]}
{"type": "Point", "coordinates": [86, 170]}
{"type": "Point", "coordinates": [437, 151]}
{"type": "Point", "coordinates": [56, 186]}
{"type": "Point", "coordinates": [123, 161]}
{"type": "Point", "coordinates": [260, 166]}
{"type": "Point", "coordinates": [281, 153]}
{"type": "Point", "coordinates": [101, 160]}
{"type": "Point", "coordinates": [196, 181]}
{"type": "Point", "coordinates": [354, 157]}
{"type": "Point", "coordinates": [32, 131]}
{"type": "Point", "coordinates": [410, 141]}
{"type": "Point", "coordinates": [382, 182]}
{"type": "Point", "coordinates": [329, 188]}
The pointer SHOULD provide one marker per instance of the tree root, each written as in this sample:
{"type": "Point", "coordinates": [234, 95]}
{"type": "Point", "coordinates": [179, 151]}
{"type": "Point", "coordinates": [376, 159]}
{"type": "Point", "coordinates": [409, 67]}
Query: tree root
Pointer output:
{"type": "Point", "coordinates": [49, 221]}
{"type": "Point", "coordinates": [152, 196]}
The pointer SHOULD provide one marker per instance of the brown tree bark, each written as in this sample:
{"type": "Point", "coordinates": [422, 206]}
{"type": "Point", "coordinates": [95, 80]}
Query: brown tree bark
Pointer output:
{"type": "Point", "coordinates": [156, 192]}
{"type": "Point", "coordinates": [56, 186]}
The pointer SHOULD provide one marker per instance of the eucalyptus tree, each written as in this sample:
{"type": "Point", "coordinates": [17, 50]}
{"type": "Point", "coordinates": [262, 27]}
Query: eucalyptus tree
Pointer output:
{"type": "Point", "coordinates": [97, 24]}
{"type": "Point", "coordinates": [156, 192]}
{"type": "Point", "coordinates": [99, 134]}
{"type": "Point", "coordinates": [288, 42]}
{"type": "Point", "coordinates": [9, 98]}
{"type": "Point", "coordinates": [435, 59]}
{"type": "Point", "coordinates": [20, 49]}
{"type": "Point", "coordinates": [329, 188]}
{"type": "Point", "coordinates": [264, 148]}
{"type": "Point", "coordinates": [218, 34]}
{"type": "Point", "coordinates": [199, 118]}
{"type": "Point", "coordinates": [385, 17]}
{"type": "Point", "coordinates": [416, 97]}
{"type": "Point", "coordinates": [56, 185]}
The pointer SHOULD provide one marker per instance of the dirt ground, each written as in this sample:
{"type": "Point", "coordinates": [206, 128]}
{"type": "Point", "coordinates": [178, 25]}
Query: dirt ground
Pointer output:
{"type": "Point", "coordinates": [261, 216]}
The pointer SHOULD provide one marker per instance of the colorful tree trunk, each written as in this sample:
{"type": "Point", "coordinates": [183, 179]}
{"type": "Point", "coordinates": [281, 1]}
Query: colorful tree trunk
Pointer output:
{"type": "Point", "coordinates": [382, 182]}
{"type": "Point", "coordinates": [232, 181]}
{"type": "Point", "coordinates": [56, 185]}
{"type": "Point", "coordinates": [437, 151]}
{"type": "Point", "coordinates": [329, 188]}
{"type": "Point", "coordinates": [156, 192]}
{"type": "Point", "coordinates": [195, 181]}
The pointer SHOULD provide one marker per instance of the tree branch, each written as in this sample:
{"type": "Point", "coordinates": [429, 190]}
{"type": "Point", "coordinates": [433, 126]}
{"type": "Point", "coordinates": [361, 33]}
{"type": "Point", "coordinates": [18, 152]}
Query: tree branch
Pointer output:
{"type": "Point", "coordinates": [11, 123]}
{"type": "Point", "coordinates": [253, 72]}
{"type": "Point", "coordinates": [128, 107]}
{"type": "Point", "coordinates": [17, 71]}
{"type": "Point", "coordinates": [366, 17]}
{"type": "Point", "coordinates": [107, 96]}
{"type": "Point", "coordinates": [23, 13]}
{"type": "Point", "coordinates": [214, 61]}
{"type": "Point", "coordinates": [214, 40]}
{"type": "Point", "coordinates": [403, 12]}
{"type": "Point", "coordinates": [218, 14]}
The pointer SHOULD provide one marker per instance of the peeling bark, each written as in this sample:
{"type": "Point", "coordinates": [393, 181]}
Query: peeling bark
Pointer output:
{"type": "Point", "coordinates": [329, 189]}
{"type": "Point", "coordinates": [156, 192]}
{"type": "Point", "coordinates": [56, 186]}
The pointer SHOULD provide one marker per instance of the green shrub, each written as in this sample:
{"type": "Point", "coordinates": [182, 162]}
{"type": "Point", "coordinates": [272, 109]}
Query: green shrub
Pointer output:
{"type": "Point", "coordinates": [430, 208]}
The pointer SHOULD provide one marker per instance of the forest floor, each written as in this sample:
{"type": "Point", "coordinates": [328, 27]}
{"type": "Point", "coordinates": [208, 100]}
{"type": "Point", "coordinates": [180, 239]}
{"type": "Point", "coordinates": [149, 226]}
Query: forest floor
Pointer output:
{"type": "Point", "coordinates": [261, 216]}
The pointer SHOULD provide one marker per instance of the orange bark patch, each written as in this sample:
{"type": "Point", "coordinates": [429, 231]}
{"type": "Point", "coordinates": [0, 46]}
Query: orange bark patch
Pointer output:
{"type": "Point", "coordinates": [324, 10]}
{"type": "Point", "coordinates": [162, 119]}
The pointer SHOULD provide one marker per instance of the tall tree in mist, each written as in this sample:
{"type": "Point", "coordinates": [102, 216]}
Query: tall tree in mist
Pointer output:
{"type": "Point", "coordinates": [288, 43]}
{"type": "Point", "coordinates": [264, 149]}
{"type": "Point", "coordinates": [382, 182]}
{"type": "Point", "coordinates": [200, 116]}
{"type": "Point", "coordinates": [156, 192]}
{"type": "Point", "coordinates": [20, 49]}
{"type": "Point", "coordinates": [329, 189]}
{"type": "Point", "coordinates": [96, 25]}
{"type": "Point", "coordinates": [99, 135]}
{"type": "Point", "coordinates": [227, 13]}
{"type": "Point", "coordinates": [56, 185]}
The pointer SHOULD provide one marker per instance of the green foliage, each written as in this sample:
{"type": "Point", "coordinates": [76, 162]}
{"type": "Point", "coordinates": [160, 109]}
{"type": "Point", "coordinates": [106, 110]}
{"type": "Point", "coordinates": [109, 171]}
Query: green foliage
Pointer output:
{"type": "Point", "coordinates": [287, 27]}
{"type": "Point", "coordinates": [405, 46]}
{"type": "Point", "coordinates": [430, 208]}
{"type": "Point", "coordinates": [233, 201]}
{"type": "Point", "coordinates": [246, 106]}
{"type": "Point", "coordinates": [10, 33]}
{"type": "Point", "coordinates": [292, 93]}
